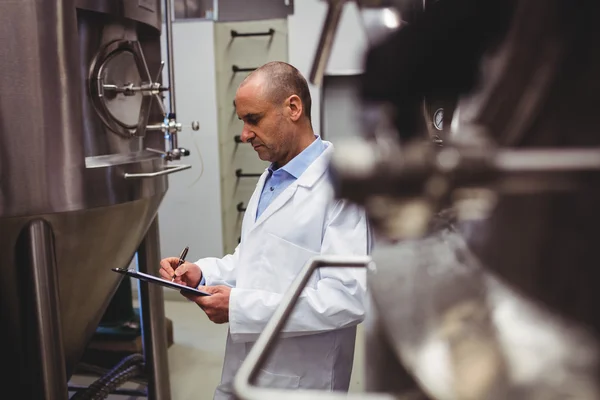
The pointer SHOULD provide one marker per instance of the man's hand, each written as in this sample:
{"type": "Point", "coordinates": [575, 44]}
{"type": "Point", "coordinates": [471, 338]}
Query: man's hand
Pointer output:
{"type": "Point", "coordinates": [187, 274]}
{"type": "Point", "coordinates": [216, 306]}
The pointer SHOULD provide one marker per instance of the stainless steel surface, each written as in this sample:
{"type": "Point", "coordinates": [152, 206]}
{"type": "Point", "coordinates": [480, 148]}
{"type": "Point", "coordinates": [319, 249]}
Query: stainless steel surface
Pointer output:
{"type": "Point", "coordinates": [144, 11]}
{"type": "Point", "coordinates": [37, 262]}
{"type": "Point", "coordinates": [379, 22]}
{"type": "Point", "coordinates": [243, 383]}
{"type": "Point", "coordinates": [170, 57]}
{"type": "Point", "coordinates": [385, 373]}
{"type": "Point", "coordinates": [194, 9]}
{"type": "Point", "coordinates": [235, 10]}
{"type": "Point", "coordinates": [332, 19]}
{"type": "Point", "coordinates": [121, 72]}
{"type": "Point", "coordinates": [170, 126]}
{"type": "Point", "coordinates": [168, 170]}
{"type": "Point", "coordinates": [486, 340]}
{"type": "Point", "coordinates": [152, 317]}
{"type": "Point", "coordinates": [503, 306]}
{"type": "Point", "coordinates": [60, 163]}
{"type": "Point", "coordinates": [122, 105]}
{"type": "Point", "coordinates": [379, 19]}
{"type": "Point", "coordinates": [39, 100]}
{"type": "Point", "coordinates": [88, 243]}
{"type": "Point", "coordinates": [101, 37]}
{"type": "Point", "coordinates": [403, 189]}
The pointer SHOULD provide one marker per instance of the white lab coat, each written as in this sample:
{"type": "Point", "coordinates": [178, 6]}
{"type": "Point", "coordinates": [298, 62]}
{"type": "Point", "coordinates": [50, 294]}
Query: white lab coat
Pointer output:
{"type": "Point", "coordinates": [317, 348]}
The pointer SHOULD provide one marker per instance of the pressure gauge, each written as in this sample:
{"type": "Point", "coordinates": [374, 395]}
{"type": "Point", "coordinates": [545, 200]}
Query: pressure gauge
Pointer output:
{"type": "Point", "coordinates": [438, 119]}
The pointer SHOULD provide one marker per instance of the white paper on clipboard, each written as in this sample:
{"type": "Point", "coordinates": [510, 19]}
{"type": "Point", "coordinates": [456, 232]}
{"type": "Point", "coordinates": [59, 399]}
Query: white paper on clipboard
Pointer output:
{"type": "Point", "coordinates": [159, 281]}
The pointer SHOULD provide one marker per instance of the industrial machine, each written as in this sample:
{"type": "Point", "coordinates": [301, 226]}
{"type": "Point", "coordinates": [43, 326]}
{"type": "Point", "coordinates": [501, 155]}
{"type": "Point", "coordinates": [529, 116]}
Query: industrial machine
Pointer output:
{"type": "Point", "coordinates": [484, 272]}
{"type": "Point", "coordinates": [85, 146]}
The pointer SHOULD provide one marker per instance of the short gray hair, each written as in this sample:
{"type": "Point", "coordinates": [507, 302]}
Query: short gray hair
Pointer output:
{"type": "Point", "coordinates": [284, 80]}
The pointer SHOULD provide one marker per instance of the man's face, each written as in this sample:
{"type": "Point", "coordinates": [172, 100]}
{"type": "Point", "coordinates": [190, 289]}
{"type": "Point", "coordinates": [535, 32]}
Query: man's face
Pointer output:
{"type": "Point", "coordinates": [265, 125]}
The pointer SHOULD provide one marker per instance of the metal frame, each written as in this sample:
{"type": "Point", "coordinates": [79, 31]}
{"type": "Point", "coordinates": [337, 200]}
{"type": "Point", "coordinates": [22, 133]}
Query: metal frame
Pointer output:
{"type": "Point", "coordinates": [44, 357]}
{"type": "Point", "coordinates": [267, 339]}
{"type": "Point", "coordinates": [152, 318]}
{"type": "Point", "coordinates": [325, 45]}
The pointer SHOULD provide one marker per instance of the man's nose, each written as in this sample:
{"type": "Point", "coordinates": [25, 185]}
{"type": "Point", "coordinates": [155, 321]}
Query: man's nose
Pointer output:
{"type": "Point", "coordinates": [246, 134]}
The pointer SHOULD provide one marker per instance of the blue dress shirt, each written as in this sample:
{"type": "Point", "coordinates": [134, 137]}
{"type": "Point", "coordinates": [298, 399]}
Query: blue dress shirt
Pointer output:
{"type": "Point", "coordinates": [279, 179]}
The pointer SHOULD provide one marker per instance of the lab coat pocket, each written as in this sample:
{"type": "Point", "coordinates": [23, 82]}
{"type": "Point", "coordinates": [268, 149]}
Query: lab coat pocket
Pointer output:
{"type": "Point", "coordinates": [286, 260]}
{"type": "Point", "coordinates": [270, 380]}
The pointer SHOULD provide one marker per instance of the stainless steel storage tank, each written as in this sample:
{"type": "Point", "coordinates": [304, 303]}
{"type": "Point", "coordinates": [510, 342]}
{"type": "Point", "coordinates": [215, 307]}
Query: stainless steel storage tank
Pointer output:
{"type": "Point", "coordinates": [78, 187]}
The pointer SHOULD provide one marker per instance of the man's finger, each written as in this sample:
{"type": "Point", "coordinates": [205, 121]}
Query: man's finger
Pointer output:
{"type": "Point", "coordinates": [192, 297]}
{"type": "Point", "coordinates": [182, 269]}
{"type": "Point", "coordinates": [198, 299]}
{"type": "Point", "coordinates": [203, 301]}
{"type": "Point", "coordinates": [209, 289]}
{"type": "Point", "coordinates": [166, 266]}
{"type": "Point", "coordinates": [164, 274]}
{"type": "Point", "coordinates": [179, 280]}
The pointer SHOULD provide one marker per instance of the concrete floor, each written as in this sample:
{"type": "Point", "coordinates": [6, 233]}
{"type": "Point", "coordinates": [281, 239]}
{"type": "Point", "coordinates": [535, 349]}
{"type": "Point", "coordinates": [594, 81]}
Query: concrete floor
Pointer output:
{"type": "Point", "coordinates": [196, 357]}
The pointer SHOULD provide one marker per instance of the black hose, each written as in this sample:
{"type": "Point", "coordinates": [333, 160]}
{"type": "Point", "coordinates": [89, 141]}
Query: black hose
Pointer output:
{"type": "Point", "coordinates": [128, 368]}
{"type": "Point", "coordinates": [102, 391]}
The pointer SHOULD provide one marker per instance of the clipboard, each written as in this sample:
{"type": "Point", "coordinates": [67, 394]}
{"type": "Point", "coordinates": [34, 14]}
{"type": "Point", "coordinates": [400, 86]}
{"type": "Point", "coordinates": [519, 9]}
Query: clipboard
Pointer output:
{"type": "Point", "coordinates": [159, 281]}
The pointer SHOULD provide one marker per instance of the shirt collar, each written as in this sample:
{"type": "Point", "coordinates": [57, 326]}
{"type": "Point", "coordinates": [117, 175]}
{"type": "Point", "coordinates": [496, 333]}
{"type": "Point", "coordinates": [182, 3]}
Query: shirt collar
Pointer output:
{"type": "Point", "coordinates": [297, 165]}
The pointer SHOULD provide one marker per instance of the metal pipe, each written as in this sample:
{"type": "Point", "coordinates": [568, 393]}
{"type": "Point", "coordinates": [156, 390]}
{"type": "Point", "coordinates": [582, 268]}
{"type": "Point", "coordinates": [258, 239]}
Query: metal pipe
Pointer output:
{"type": "Point", "coordinates": [170, 60]}
{"type": "Point", "coordinates": [156, 127]}
{"type": "Point", "coordinates": [548, 160]}
{"type": "Point", "coordinates": [332, 19]}
{"type": "Point", "coordinates": [152, 318]}
{"type": "Point", "coordinates": [43, 352]}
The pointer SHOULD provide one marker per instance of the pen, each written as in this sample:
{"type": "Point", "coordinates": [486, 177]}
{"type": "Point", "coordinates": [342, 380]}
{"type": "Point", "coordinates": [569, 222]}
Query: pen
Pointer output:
{"type": "Point", "coordinates": [181, 261]}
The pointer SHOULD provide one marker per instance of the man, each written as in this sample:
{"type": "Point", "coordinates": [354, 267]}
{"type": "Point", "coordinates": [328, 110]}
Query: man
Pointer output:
{"type": "Point", "coordinates": [291, 217]}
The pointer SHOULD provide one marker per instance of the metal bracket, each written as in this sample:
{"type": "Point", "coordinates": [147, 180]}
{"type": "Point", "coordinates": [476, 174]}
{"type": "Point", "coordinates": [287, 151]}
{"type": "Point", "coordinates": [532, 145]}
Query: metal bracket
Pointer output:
{"type": "Point", "coordinates": [267, 339]}
{"type": "Point", "coordinates": [240, 174]}
{"type": "Point", "coordinates": [237, 69]}
{"type": "Point", "coordinates": [235, 34]}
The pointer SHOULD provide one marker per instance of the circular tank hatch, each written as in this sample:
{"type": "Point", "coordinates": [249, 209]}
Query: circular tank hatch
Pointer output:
{"type": "Point", "coordinates": [121, 89]}
{"type": "Point", "coordinates": [120, 70]}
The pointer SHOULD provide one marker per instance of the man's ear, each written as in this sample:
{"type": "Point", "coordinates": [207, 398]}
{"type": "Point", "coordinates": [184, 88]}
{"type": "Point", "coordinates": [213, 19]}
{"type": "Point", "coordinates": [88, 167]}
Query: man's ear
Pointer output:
{"type": "Point", "coordinates": [295, 107]}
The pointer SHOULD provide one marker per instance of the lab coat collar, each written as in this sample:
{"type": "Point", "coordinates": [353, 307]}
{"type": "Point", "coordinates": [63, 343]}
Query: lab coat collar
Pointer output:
{"type": "Point", "coordinates": [308, 179]}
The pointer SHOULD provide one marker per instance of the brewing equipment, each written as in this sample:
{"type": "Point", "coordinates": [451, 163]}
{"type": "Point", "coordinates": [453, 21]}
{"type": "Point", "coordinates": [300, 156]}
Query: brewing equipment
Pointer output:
{"type": "Point", "coordinates": [85, 143]}
{"type": "Point", "coordinates": [484, 272]}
